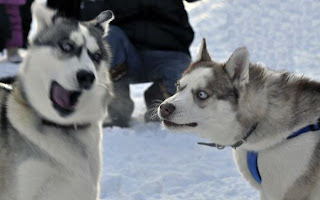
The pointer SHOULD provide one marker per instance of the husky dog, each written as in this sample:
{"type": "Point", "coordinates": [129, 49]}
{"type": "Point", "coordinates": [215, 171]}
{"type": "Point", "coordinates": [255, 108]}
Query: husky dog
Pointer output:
{"type": "Point", "coordinates": [254, 110]}
{"type": "Point", "coordinates": [51, 117]}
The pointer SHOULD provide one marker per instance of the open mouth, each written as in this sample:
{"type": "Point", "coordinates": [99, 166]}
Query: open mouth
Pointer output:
{"type": "Point", "coordinates": [171, 124]}
{"type": "Point", "coordinates": [63, 100]}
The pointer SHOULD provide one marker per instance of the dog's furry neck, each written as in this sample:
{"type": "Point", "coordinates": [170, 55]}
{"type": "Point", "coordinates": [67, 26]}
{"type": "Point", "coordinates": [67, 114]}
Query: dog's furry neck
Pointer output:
{"type": "Point", "coordinates": [280, 102]}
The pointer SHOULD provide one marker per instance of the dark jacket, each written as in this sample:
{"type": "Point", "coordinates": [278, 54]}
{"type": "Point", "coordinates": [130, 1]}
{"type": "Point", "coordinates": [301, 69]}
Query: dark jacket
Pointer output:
{"type": "Point", "coordinates": [149, 24]}
{"type": "Point", "coordinates": [5, 32]}
{"type": "Point", "coordinates": [67, 8]}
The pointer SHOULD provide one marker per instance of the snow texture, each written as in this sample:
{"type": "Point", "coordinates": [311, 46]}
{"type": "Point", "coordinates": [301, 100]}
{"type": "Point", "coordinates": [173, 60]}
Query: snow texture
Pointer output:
{"type": "Point", "coordinates": [146, 162]}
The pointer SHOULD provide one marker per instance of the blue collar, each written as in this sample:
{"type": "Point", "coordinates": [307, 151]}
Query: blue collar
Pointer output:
{"type": "Point", "coordinates": [252, 157]}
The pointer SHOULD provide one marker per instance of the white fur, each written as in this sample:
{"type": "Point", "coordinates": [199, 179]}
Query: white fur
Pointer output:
{"type": "Point", "coordinates": [282, 163]}
{"type": "Point", "coordinates": [77, 178]}
{"type": "Point", "coordinates": [197, 79]}
{"type": "Point", "coordinates": [239, 61]}
{"type": "Point", "coordinates": [185, 107]}
{"type": "Point", "coordinates": [74, 173]}
{"type": "Point", "coordinates": [278, 166]}
{"type": "Point", "coordinates": [105, 21]}
{"type": "Point", "coordinates": [47, 62]}
{"type": "Point", "coordinates": [199, 50]}
{"type": "Point", "coordinates": [90, 41]}
{"type": "Point", "coordinates": [42, 17]}
{"type": "Point", "coordinates": [44, 61]}
{"type": "Point", "coordinates": [77, 36]}
{"type": "Point", "coordinates": [217, 122]}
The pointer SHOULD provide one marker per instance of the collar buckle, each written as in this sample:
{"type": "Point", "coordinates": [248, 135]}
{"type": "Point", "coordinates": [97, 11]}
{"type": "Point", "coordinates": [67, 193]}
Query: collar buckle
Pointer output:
{"type": "Point", "coordinates": [235, 145]}
{"type": "Point", "coordinates": [220, 147]}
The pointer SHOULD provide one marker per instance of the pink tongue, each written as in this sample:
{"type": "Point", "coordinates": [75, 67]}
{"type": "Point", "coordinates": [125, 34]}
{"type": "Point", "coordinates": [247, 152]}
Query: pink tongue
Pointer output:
{"type": "Point", "coordinates": [61, 97]}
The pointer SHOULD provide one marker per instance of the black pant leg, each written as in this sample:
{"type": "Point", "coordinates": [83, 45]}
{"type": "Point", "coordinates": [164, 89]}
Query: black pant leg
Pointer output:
{"type": "Point", "coordinates": [25, 12]}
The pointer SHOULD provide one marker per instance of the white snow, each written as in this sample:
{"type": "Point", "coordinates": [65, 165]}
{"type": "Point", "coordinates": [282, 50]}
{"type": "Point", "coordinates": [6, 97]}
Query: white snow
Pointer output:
{"type": "Point", "coordinates": [147, 163]}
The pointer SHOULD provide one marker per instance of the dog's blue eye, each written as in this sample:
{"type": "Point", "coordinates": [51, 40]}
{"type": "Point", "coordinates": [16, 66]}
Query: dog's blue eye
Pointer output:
{"type": "Point", "coordinates": [202, 95]}
{"type": "Point", "coordinates": [66, 46]}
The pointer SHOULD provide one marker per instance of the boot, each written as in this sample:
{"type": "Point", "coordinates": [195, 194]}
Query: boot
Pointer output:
{"type": "Point", "coordinates": [121, 106]}
{"type": "Point", "coordinates": [153, 96]}
{"type": "Point", "coordinates": [8, 79]}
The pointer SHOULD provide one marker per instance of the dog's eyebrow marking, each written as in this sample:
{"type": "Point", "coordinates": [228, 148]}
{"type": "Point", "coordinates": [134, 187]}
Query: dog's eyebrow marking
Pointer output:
{"type": "Point", "coordinates": [80, 48]}
{"type": "Point", "coordinates": [77, 38]}
{"type": "Point", "coordinates": [179, 88]}
{"type": "Point", "coordinates": [182, 88]}
{"type": "Point", "coordinates": [91, 42]}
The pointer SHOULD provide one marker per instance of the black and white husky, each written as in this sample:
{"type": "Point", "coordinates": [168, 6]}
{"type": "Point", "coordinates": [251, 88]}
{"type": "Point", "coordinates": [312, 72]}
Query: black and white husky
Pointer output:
{"type": "Point", "coordinates": [50, 131]}
{"type": "Point", "coordinates": [269, 118]}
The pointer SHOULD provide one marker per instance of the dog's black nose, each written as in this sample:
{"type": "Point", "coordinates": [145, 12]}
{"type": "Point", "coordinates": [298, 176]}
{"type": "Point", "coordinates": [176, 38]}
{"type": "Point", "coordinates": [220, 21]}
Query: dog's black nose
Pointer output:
{"type": "Point", "coordinates": [85, 79]}
{"type": "Point", "coordinates": [166, 109]}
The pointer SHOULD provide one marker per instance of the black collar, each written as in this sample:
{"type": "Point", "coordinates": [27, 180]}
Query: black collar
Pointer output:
{"type": "Point", "coordinates": [235, 145]}
{"type": "Point", "coordinates": [67, 126]}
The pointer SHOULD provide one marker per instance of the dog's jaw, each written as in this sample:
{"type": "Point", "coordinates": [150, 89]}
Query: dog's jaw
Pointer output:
{"type": "Point", "coordinates": [172, 125]}
{"type": "Point", "coordinates": [63, 100]}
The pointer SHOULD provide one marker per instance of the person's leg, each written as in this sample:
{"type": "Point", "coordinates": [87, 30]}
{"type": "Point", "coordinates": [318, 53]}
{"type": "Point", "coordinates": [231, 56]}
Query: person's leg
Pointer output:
{"type": "Point", "coordinates": [164, 68]}
{"type": "Point", "coordinates": [5, 29]}
{"type": "Point", "coordinates": [25, 12]}
{"type": "Point", "coordinates": [124, 52]}
{"type": "Point", "coordinates": [16, 33]}
{"type": "Point", "coordinates": [125, 60]}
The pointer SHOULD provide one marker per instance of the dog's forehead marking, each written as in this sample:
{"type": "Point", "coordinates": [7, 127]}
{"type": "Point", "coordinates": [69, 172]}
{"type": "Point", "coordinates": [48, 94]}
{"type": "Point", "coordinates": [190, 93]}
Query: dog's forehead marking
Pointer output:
{"type": "Point", "coordinates": [77, 37]}
{"type": "Point", "coordinates": [198, 78]}
{"type": "Point", "coordinates": [92, 44]}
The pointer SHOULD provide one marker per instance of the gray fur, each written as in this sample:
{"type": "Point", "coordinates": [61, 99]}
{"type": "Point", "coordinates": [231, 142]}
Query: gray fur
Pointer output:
{"type": "Point", "coordinates": [45, 155]}
{"type": "Point", "coordinates": [15, 149]}
{"type": "Point", "coordinates": [286, 88]}
{"type": "Point", "coordinates": [305, 184]}
{"type": "Point", "coordinates": [60, 31]}
{"type": "Point", "coordinates": [279, 102]}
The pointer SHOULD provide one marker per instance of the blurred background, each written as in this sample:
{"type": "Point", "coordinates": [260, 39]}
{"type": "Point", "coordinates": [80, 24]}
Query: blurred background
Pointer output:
{"type": "Point", "coordinates": [145, 162]}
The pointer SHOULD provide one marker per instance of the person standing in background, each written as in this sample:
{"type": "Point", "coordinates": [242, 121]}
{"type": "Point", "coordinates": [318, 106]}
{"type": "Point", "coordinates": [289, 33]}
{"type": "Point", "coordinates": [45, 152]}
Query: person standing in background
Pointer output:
{"type": "Point", "coordinates": [15, 42]}
{"type": "Point", "coordinates": [67, 8]}
{"type": "Point", "coordinates": [4, 28]}
{"type": "Point", "coordinates": [25, 13]}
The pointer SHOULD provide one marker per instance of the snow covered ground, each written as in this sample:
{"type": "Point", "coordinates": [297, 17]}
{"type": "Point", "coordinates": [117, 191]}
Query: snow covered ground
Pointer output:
{"type": "Point", "coordinates": [148, 163]}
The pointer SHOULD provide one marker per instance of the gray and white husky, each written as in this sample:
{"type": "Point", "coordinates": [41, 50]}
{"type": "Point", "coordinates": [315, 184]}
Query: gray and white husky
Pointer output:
{"type": "Point", "coordinates": [50, 132]}
{"type": "Point", "coordinates": [273, 115]}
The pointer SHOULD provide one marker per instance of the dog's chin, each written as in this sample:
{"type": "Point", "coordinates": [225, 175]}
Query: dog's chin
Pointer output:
{"type": "Point", "coordinates": [63, 101]}
{"type": "Point", "coordinates": [171, 125]}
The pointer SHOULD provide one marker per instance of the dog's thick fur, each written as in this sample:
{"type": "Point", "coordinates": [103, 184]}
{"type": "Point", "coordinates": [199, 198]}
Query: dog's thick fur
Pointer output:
{"type": "Point", "coordinates": [49, 153]}
{"type": "Point", "coordinates": [222, 101]}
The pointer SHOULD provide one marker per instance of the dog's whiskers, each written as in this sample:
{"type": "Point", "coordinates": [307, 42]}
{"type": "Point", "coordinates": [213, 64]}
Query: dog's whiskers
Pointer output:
{"type": "Point", "coordinates": [157, 101]}
{"type": "Point", "coordinates": [154, 109]}
{"type": "Point", "coordinates": [103, 85]}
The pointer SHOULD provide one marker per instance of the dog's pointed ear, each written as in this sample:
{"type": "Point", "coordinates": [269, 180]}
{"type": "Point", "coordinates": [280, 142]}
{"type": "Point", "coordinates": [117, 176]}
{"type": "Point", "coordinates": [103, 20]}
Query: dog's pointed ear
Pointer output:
{"type": "Point", "coordinates": [102, 21]}
{"type": "Point", "coordinates": [237, 67]}
{"type": "Point", "coordinates": [42, 15]}
{"type": "Point", "coordinates": [203, 54]}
